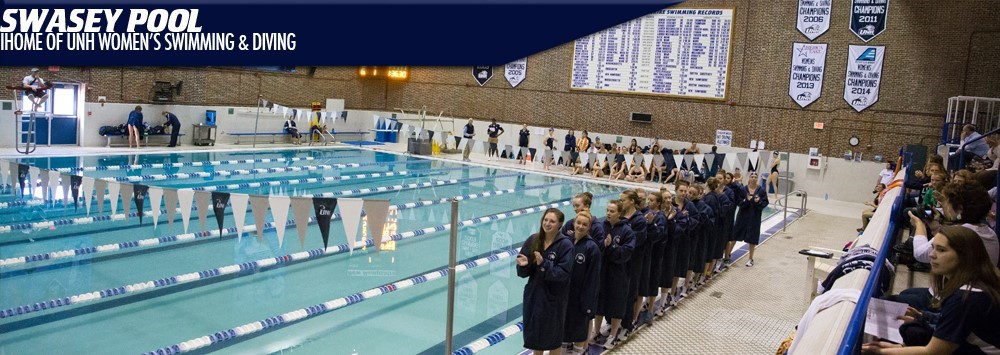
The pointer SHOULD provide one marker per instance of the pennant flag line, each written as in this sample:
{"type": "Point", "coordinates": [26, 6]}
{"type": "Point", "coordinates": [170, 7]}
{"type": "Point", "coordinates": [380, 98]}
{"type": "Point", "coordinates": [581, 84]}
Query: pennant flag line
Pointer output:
{"type": "Point", "coordinates": [239, 204]}
{"type": "Point", "coordinates": [377, 212]}
{"type": "Point", "coordinates": [219, 202]}
{"type": "Point", "coordinates": [155, 197]}
{"type": "Point", "coordinates": [324, 206]}
{"type": "Point", "coordinates": [185, 197]}
{"type": "Point", "coordinates": [113, 189]}
{"type": "Point", "coordinates": [279, 211]}
{"type": "Point", "coordinates": [300, 210]}
{"type": "Point", "coordinates": [139, 196]}
{"type": "Point", "coordinates": [350, 214]}
{"type": "Point", "coordinates": [258, 206]}
{"type": "Point", "coordinates": [203, 202]}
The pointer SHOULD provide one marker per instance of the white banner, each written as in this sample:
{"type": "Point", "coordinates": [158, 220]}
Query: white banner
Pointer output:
{"type": "Point", "coordinates": [516, 71]}
{"type": "Point", "coordinates": [814, 17]}
{"type": "Point", "coordinates": [113, 189]}
{"type": "Point", "coordinates": [155, 196]}
{"type": "Point", "coordinates": [239, 204]}
{"type": "Point", "coordinates": [723, 138]}
{"type": "Point", "coordinates": [864, 75]}
{"type": "Point", "coordinates": [87, 190]}
{"type": "Point", "coordinates": [805, 79]}
{"type": "Point", "coordinates": [279, 211]}
{"type": "Point", "coordinates": [350, 215]}
{"type": "Point", "coordinates": [185, 197]}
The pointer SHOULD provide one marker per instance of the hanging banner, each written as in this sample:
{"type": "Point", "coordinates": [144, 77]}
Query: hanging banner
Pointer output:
{"type": "Point", "coordinates": [868, 18]}
{"type": "Point", "coordinates": [258, 206]}
{"type": "Point", "coordinates": [482, 74]}
{"type": "Point", "coordinates": [300, 210]}
{"type": "Point", "coordinates": [239, 204]}
{"type": "Point", "coordinates": [516, 71]}
{"type": "Point", "coordinates": [350, 214]}
{"type": "Point", "coordinates": [113, 189]}
{"type": "Point", "coordinates": [139, 197]}
{"type": "Point", "coordinates": [155, 197]}
{"type": "Point", "coordinates": [864, 76]}
{"type": "Point", "coordinates": [377, 212]}
{"type": "Point", "coordinates": [279, 211]}
{"type": "Point", "coordinates": [87, 189]}
{"type": "Point", "coordinates": [170, 205]}
{"type": "Point", "coordinates": [185, 197]}
{"type": "Point", "coordinates": [100, 185]}
{"type": "Point", "coordinates": [805, 80]}
{"type": "Point", "coordinates": [814, 17]}
{"type": "Point", "coordinates": [202, 203]}
{"type": "Point", "coordinates": [324, 206]}
{"type": "Point", "coordinates": [74, 186]}
{"type": "Point", "coordinates": [219, 202]}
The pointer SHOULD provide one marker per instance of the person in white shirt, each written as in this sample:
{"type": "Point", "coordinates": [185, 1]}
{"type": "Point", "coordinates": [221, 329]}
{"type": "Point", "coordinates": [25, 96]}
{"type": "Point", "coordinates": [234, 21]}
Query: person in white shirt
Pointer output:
{"type": "Point", "coordinates": [886, 176]}
{"type": "Point", "coordinates": [35, 88]}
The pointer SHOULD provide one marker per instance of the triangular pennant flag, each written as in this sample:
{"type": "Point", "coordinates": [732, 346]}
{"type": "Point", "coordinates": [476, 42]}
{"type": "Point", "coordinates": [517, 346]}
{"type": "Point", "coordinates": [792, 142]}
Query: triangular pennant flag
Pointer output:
{"type": "Point", "coordinates": [485, 147]}
{"type": "Point", "coordinates": [375, 121]}
{"type": "Point", "coordinates": [377, 211]}
{"type": "Point", "coordinates": [754, 161]}
{"type": "Point", "coordinates": [730, 161]}
{"type": "Point", "coordinates": [765, 159]}
{"type": "Point", "coordinates": [657, 159]}
{"type": "Point", "coordinates": [75, 181]}
{"type": "Point", "coordinates": [170, 205]}
{"type": "Point", "coordinates": [155, 197]}
{"type": "Point", "coordinates": [628, 163]}
{"type": "Point", "coordinates": [53, 185]}
{"type": "Point", "coordinates": [22, 176]}
{"type": "Point", "coordinates": [472, 144]}
{"type": "Point", "coordinates": [602, 157]}
{"type": "Point", "coordinates": [66, 184]}
{"type": "Point", "coordinates": [139, 196]}
{"type": "Point", "coordinates": [565, 157]}
{"type": "Point", "coordinates": [350, 214]}
{"type": "Point", "coordinates": [647, 159]}
{"type": "Point", "coordinates": [509, 150]}
{"type": "Point", "coordinates": [100, 185]}
{"type": "Point", "coordinates": [185, 198]}
{"type": "Point", "coordinates": [4, 173]}
{"type": "Point", "coordinates": [462, 142]}
{"type": "Point", "coordinates": [678, 160]}
{"type": "Point", "coordinates": [258, 206]}
{"type": "Point", "coordinates": [323, 206]}
{"type": "Point", "coordinates": [202, 203]}
{"type": "Point", "coordinates": [219, 202]}
{"type": "Point", "coordinates": [585, 158]}
{"type": "Point", "coordinates": [279, 211]}
{"type": "Point", "coordinates": [741, 158]}
{"type": "Point", "coordinates": [300, 210]}
{"type": "Point", "coordinates": [688, 159]}
{"type": "Point", "coordinates": [698, 160]}
{"type": "Point", "coordinates": [33, 172]}
{"type": "Point", "coordinates": [44, 185]}
{"type": "Point", "coordinates": [524, 152]}
{"type": "Point", "coordinates": [126, 193]}
{"type": "Point", "coordinates": [239, 203]}
{"type": "Point", "coordinates": [113, 188]}
{"type": "Point", "coordinates": [710, 159]}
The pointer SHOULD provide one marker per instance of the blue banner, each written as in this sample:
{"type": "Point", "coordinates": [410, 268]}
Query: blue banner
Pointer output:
{"type": "Point", "coordinates": [299, 32]}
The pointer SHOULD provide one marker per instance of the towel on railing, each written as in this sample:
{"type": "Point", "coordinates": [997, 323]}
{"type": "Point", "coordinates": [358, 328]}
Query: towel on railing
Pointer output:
{"type": "Point", "coordinates": [861, 257]}
{"type": "Point", "coordinates": [820, 303]}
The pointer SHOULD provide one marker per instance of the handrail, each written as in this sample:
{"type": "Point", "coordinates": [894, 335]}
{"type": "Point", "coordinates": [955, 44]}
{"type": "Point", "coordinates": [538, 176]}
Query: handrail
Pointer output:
{"type": "Point", "coordinates": [802, 206]}
{"type": "Point", "coordinates": [852, 336]}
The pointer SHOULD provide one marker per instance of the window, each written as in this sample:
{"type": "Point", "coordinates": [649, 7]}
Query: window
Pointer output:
{"type": "Point", "coordinates": [64, 100]}
{"type": "Point", "coordinates": [27, 105]}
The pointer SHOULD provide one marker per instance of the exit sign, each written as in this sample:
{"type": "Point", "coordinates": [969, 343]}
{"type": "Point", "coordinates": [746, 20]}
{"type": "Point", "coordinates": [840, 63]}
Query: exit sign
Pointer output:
{"type": "Point", "coordinates": [818, 125]}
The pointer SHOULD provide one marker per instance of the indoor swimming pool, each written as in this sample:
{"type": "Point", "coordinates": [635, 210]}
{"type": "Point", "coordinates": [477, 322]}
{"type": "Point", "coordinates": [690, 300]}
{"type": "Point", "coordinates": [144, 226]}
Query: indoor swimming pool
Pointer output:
{"type": "Point", "coordinates": [73, 282]}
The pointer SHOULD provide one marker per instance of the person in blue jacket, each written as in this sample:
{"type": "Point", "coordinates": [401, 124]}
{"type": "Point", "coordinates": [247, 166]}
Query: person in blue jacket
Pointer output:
{"type": "Point", "coordinates": [703, 235]}
{"type": "Point", "coordinates": [618, 244]}
{"type": "Point", "coordinates": [725, 234]}
{"type": "Point", "coordinates": [582, 202]}
{"type": "Point", "coordinates": [175, 127]}
{"type": "Point", "coordinates": [546, 259]}
{"type": "Point", "coordinates": [716, 199]}
{"type": "Point", "coordinates": [685, 236]}
{"type": "Point", "coordinates": [717, 186]}
{"type": "Point", "coordinates": [670, 238]}
{"type": "Point", "coordinates": [135, 129]}
{"type": "Point", "coordinates": [584, 284]}
{"type": "Point", "coordinates": [734, 181]}
{"type": "Point", "coordinates": [656, 233]}
{"type": "Point", "coordinates": [632, 204]}
{"type": "Point", "coordinates": [751, 208]}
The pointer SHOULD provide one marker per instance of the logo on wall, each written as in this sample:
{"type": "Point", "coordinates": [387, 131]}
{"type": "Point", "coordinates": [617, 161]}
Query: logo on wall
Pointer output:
{"type": "Point", "coordinates": [516, 71]}
{"type": "Point", "coordinates": [864, 75]}
{"type": "Point", "coordinates": [805, 81]}
{"type": "Point", "coordinates": [482, 74]}
{"type": "Point", "coordinates": [868, 18]}
{"type": "Point", "coordinates": [814, 17]}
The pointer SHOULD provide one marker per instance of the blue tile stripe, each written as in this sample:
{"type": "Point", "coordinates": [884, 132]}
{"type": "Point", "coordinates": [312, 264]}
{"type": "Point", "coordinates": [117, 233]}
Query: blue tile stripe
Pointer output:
{"type": "Point", "coordinates": [490, 340]}
{"type": "Point", "coordinates": [114, 247]}
{"type": "Point", "coordinates": [380, 189]}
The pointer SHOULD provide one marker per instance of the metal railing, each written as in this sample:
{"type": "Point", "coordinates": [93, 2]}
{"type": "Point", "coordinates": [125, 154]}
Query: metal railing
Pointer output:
{"type": "Point", "coordinates": [802, 206]}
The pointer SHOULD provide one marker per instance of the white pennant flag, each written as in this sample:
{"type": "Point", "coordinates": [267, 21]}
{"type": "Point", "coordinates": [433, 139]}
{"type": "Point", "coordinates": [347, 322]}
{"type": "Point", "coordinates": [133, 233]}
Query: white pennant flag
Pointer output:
{"type": "Point", "coordinates": [647, 159]}
{"type": "Point", "coordinates": [375, 120]}
{"type": "Point", "coordinates": [87, 189]}
{"type": "Point", "coordinates": [628, 163]}
{"type": "Point", "coordinates": [657, 159]}
{"type": "Point", "coordinates": [585, 158]}
{"type": "Point", "coordinates": [350, 214]}
{"type": "Point", "coordinates": [127, 191]}
{"type": "Point", "coordinates": [322, 117]}
{"type": "Point", "coordinates": [155, 195]}
{"type": "Point", "coordinates": [754, 160]}
{"type": "Point", "coordinates": [4, 172]}
{"type": "Point", "coordinates": [765, 159]}
{"type": "Point", "coordinates": [565, 158]}
{"type": "Point", "coordinates": [710, 159]}
{"type": "Point", "coordinates": [688, 159]}
{"type": "Point", "coordinates": [601, 157]}
{"type": "Point", "coordinates": [730, 161]}
{"type": "Point", "coordinates": [698, 160]}
{"type": "Point", "coordinates": [43, 176]}
{"type": "Point", "coordinates": [170, 205]}
{"type": "Point", "coordinates": [462, 143]}
{"type": "Point", "coordinates": [258, 206]}
{"type": "Point", "coordinates": [185, 197]}
{"type": "Point", "coordinates": [33, 173]}
{"type": "Point", "coordinates": [53, 185]}
{"type": "Point", "coordinates": [284, 110]}
{"type": "Point", "coordinates": [376, 211]}
{"type": "Point", "coordinates": [113, 188]}
{"type": "Point", "coordinates": [239, 204]}
{"type": "Point", "coordinates": [279, 210]}
{"type": "Point", "coordinates": [65, 183]}
{"type": "Point", "coordinates": [678, 160]}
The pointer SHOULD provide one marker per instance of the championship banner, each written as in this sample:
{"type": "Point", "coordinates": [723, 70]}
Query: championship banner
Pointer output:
{"type": "Point", "coordinates": [482, 74]}
{"type": "Point", "coordinates": [814, 17]}
{"type": "Point", "coordinates": [805, 81]}
{"type": "Point", "coordinates": [516, 71]}
{"type": "Point", "coordinates": [864, 76]}
{"type": "Point", "coordinates": [868, 18]}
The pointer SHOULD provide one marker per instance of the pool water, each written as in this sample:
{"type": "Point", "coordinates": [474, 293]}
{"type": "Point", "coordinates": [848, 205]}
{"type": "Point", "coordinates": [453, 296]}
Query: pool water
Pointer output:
{"type": "Point", "coordinates": [407, 320]}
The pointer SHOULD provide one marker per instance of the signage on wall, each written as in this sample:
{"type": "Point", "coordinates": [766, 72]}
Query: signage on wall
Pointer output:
{"type": "Point", "coordinates": [805, 81]}
{"type": "Point", "coordinates": [482, 74]}
{"type": "Point", "coordinates": [814, 17]}
{"type": "Point", "coordinates": [516, 71]}
{"type": "Point", "coordinates": [864, 75]}
{"type": "Point", "coordinates": [868, 18]}
{"type": "Point", "coordinates": [723, 138]}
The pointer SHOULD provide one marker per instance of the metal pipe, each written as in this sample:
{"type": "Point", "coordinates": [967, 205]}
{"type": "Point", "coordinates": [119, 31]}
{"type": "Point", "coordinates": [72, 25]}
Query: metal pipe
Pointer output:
{"type": "Point", "coordinates": [784, 220]}
{"type": "Point", "coordinates": [256, 120]}
{"type": "Point", "coordinates": [451, 278]}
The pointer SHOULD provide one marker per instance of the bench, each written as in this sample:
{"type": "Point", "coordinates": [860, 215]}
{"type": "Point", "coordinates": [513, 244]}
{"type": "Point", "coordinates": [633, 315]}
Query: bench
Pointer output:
{"type": "Point", "coordinates": [145, 138]}
{"type": "Point", "coordinates": [272, 134]}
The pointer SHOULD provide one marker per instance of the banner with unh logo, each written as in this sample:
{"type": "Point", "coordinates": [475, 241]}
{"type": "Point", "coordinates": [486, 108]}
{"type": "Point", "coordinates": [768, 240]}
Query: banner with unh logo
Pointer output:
{"type": "Point", "coordinates": [805, 82]}
{"type": "Point", "coordinates": [868, 18]}
{"type": "Point", "coordinates": [814, 17]}
{"type": "Point", "coordinates": [864, 75]}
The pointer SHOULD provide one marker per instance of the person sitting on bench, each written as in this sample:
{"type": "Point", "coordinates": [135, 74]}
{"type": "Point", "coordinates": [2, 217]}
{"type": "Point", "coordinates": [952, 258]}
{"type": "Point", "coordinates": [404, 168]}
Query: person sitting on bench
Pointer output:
{"type": "Point", "coordinates": [291, 129]}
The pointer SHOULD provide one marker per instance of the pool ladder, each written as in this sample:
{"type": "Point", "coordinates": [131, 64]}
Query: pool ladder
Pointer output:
{"type": "Point", "coordinates": [24, 142]}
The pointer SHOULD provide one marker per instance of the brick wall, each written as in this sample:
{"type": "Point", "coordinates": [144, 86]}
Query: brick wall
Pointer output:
{"type": "Point", "coordinates": [935, 50]}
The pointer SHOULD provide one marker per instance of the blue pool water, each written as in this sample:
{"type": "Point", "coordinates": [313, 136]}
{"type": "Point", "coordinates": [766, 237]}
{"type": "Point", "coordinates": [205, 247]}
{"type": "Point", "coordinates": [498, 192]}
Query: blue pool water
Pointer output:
{"type": "Point", "coordinates": [408, 320]}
